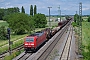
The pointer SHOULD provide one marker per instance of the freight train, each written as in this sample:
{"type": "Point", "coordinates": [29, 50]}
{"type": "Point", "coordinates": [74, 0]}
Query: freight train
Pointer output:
{"type": "Point", "coordinates": [32, 42]}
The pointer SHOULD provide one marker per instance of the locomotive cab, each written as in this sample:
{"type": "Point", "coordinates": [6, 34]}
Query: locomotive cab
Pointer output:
{"type": "Point", "coordinates": [29, 43]}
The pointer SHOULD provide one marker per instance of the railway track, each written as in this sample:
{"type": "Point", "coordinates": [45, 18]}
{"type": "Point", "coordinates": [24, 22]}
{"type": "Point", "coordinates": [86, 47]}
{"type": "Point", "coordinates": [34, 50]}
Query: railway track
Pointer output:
{"type": "Point", "coordinates": [2, 55]}
{"type": "Point", "coordinates": [66, 50]}
{"type": "Point", "coordinates": [24, 56]}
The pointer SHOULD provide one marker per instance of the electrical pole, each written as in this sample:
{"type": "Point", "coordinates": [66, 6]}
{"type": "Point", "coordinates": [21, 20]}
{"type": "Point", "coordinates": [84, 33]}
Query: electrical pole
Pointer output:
{"type": "Point", "coordinates": [49, 17]}
{"type": "Point", "coordinates": [80, 30]}
{"type": "Point", "coordinates": [59, 12]}
{"type": "Point", "coordinates": [76, 16]}
{"type": "Point", "coordinates": [76, 12]}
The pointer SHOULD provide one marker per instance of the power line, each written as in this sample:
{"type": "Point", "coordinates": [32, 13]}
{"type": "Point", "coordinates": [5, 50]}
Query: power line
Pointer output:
{"type": "Point", "coordinates": [49, 17]}
{"type": "Point", "coordinates": [76, 12]}
{"type": "Point", "coordinates": [59, 12]}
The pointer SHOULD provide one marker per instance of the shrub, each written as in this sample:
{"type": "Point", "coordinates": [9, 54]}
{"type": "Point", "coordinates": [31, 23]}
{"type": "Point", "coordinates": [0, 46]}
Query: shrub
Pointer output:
{"type": "Point", "coordinates": [74, 24]}
{"type": "Point", "coordinates": [3, 33]}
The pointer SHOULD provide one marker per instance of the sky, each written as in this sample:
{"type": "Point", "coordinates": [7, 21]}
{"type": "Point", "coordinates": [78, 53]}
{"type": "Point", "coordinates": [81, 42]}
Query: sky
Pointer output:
{"type": "Point", "coordinates": [67, 7]}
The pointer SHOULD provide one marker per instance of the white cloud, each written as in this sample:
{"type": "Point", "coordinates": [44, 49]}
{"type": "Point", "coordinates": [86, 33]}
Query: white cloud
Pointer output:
{"type": "Point", "coordinates": [2, 1]}
{"type": "Point", "coordinates": [9, 6]}
{"type": "Point", "coordinates": [85, 9]}
{"type": "Point", "coordinates": [7, 3]}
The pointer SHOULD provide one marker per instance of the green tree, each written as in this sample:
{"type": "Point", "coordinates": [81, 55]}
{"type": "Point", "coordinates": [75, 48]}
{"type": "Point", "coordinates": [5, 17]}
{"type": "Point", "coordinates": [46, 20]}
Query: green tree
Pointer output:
{"type": "Point", "coordinates": [16, 10]}
{"type": "Point", "coordinates": [11, 10]}
{"type": "Point", "coordinates": [35, 9]}
{"type": "Point", "coordinates": [67, 17]}
{"type": "Point", "coordinates": [32, 23]}
{"type": "Point", "coordinates": [89, 19]}
{"type": "Point", "coordinates": [20, 22]}
{"type": "Point", "coordinates": [31, 10]}
{"type": "Point", "coordinates": [3, 33]}
{"type": "Point", "coordinates": [5, 18]}
{"type": "Point", "coordinates": [76, 18]}
{"type": "Point", "coordinates": [23, 10]}
{"type": "Point", "coordinates": [40, 20]}
{"type": "Point", "coordinates": [1, 13]}
{"type": "Point", "coordinates": [4, 12]}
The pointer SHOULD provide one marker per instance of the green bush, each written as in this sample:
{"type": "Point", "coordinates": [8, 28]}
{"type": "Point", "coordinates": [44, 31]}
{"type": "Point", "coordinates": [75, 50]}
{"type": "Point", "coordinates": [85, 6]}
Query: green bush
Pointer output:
{"type": "Point", "coordinates": [3, 33]}
{"type": "Point", "coordinates": [13, 55]}
{"type": "Point", "coordinates": [89, 19]}
{"type": "Point", "coordinates": [74, 24]}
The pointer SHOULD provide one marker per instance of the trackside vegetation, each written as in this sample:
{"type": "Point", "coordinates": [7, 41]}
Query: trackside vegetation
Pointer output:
{"type": "Point", "coordinates": [85, 35]}
{"type": "Point", "coordinates": [88, 19]}
{"type": "Point", "coordinates": [3, 33]}
{"type": "Point", "coordinates": [10, 57]}
{"type": "Point", "coordinates": [86, 40]}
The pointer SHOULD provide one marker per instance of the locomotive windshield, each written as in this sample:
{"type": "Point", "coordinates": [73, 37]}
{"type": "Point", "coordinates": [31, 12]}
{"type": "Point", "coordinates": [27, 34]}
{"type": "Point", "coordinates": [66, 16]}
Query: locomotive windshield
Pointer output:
{"type": "Point", "coordinates": [29, 40]}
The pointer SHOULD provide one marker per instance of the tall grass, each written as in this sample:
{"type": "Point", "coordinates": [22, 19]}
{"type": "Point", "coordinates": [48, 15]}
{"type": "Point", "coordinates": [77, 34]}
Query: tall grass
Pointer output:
{"type": "Point", "coordinates": [13, 38]}
{"type": "Point", "coordinates": [86, 33]}
{"type": "Point", "coordinates": [13, 55]}
{"type": "Point", "coordinates": [14, 45]}
{"type": "Point", "coordinates": [86, 40]}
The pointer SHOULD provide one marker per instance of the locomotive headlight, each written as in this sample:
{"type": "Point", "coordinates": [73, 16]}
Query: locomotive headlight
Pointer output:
{"type": "Point", "coordinates": [32, 44]}
{"type": "Point", "coordinates": [26, 44]}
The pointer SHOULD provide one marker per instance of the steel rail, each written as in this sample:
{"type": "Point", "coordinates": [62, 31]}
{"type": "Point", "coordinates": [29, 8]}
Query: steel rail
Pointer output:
{"type": "Point", "coordinates": [66, 49]}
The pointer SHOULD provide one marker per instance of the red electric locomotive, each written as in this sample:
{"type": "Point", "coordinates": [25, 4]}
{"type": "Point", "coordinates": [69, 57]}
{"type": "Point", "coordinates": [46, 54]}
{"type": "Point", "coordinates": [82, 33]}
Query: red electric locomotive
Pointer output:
{"type": "Point", "coordinates": [32, 42]}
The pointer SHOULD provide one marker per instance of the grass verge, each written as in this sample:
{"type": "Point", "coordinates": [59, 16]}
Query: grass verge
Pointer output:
{"type": "Point", "coordinates": [16, 44]}
{"type": "Point", "coordinates": [13, 38]}
{"type": "Point", "coordinates": [86, 40]}
{"type": "Point", "coordinates": [13, 55]}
